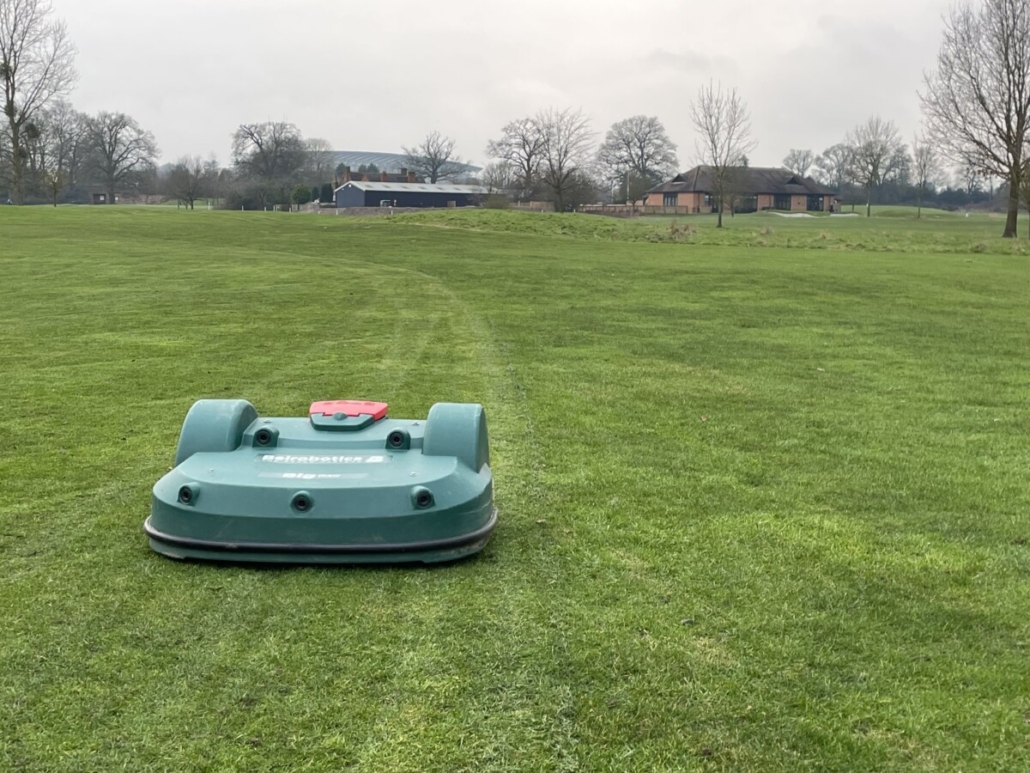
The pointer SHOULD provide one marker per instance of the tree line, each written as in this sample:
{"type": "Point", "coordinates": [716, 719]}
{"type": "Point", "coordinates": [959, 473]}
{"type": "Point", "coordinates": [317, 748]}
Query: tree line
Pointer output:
{"type": "Point", "coordinates": [975, 102]}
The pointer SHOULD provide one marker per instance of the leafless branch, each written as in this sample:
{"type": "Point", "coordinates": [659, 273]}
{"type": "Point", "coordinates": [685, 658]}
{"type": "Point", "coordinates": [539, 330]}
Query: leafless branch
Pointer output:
{"type": "Point", "coordinates": [723, 124]}
{"type": "Point", "coordinates": [637, 147]}
{"type": "Point", "coordinates": [36, 67]}
{"type": "Point", "coordinates": [799, 161]}
{"type": "Point", "coordinates": [565, 150]}
{"type": "Point", "coordinates": [876, 151]}
{"type": "Point", "coordinates": [119, 149]}
{"type": "Point", "coordinates": [925, 168]}
{"type": "Point", "coordinates": [977, 100]}
{"type": "Point", "coordinates": [521, 147]}
{"type": "Point", "coordinates": [434, 158]}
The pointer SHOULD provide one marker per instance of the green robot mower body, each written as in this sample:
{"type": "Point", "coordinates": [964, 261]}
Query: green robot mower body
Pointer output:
{"type": "Point", "coordinates": [345, 485]}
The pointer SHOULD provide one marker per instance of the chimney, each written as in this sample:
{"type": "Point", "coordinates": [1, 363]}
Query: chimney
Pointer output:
{"type": "Point", "coordinates": [346, 174]}
{"type": "Point", "coordinates": [384, 177]}
{"type": "Point", "coordinates": [411, 176]}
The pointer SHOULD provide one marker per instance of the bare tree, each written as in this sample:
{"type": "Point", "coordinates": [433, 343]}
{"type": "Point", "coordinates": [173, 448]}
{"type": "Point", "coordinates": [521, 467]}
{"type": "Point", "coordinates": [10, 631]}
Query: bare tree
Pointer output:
{"type": "Point", "coordinates": [564, 153]}
{"type": "Point", "coordinates": [55, 148]}
{"type": "Point", "coordinates": [521, 146]}
{"type": "Point", "coordinates": [925, 167]}
{"type": "Point", "coordinates": [54, 180]}
{"type": "Point", "coordinates": [799, 161]}
{"type": "Point", "coordinates": [120, 151]}
{"type": "Point", "coordinates": [222, 184]}
{"type": "Point", "coordinates": [499, 176]}
{"type": "Point", "coordinates": [736, 184]}
{"type": "Point", "coordinates": [45, 162]}
{"type": "Point", "coordinates": [269, 158]}
{"type": "Point", "coordinates": [834, 166]}
{"type": "Point", "coordinates": [35, 68]}
{"type": "Point", "coordinates": [724, 125]}
{"type": "Point", "coordinates": [192, 178]}
{"type": "Point", "coordinates": [582, 188]}
{"type": "Point", "coordinates": [637, 153]}
{"type": "Point", "coordinates": [268, 151]}
{"type": "Point", "coordinates": [977, 101]}
{"type": "Point", "coordinates": [972, 178]}
{"type": "Point", "coordinates": [65, 131]}
{"type": "Point", "coordinates": [33, 155]}
{"type": "Point", "coordinates": [434, 158]}
{"type": "Point", "coordinates": [876, 151]}
{"type": "Point", "coordinates": [320, 160]}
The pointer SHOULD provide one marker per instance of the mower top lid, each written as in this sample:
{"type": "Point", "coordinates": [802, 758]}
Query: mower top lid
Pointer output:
{"type": "Point", "coordinates": [345, 415]}
{"type": "Point", "coordinates": [349, 408]}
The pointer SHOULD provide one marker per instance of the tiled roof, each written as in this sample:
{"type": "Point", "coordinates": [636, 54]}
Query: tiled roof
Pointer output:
{"type": "Point", "coordinates": [755, 180]}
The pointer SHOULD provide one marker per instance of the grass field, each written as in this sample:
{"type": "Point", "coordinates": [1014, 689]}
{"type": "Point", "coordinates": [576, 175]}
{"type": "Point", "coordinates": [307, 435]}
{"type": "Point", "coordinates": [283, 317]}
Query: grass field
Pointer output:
{"type": "Point", "coordinates": [764, 494]}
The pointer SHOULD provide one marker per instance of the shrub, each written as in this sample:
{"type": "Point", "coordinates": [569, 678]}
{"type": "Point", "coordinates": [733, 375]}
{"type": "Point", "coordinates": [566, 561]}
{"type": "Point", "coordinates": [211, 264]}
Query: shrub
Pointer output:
{"type": "Point", "coordinates": [301, 194]}
{"type": "Point", "coordinates": [496, 201]}
{"type": "Point", "coordinates": [679, 232]}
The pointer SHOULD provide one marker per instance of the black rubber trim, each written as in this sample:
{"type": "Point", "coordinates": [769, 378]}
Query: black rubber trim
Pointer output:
{"type": "Point", "coordinates": [293, 547]}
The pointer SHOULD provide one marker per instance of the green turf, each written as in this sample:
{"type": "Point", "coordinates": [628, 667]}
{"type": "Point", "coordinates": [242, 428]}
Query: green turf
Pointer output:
{"type": "Point", "coordinates": [764, 496]}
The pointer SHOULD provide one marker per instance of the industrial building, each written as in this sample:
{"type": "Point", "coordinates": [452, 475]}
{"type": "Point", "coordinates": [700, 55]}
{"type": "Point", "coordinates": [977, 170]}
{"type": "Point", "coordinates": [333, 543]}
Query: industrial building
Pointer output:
{"type": "Point", "coordinates": [359, 193]}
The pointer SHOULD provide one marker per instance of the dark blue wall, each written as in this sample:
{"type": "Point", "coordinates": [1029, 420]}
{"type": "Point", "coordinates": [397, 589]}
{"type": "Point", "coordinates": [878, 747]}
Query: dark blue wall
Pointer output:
{"type": "Point", "coordinates": [354, 197]}
{"type": "Point", "coordinates": [350, 197]}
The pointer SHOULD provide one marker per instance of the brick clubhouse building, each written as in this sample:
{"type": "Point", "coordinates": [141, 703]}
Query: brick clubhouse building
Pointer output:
{"type": "Point", "coordinates": [755, 189]}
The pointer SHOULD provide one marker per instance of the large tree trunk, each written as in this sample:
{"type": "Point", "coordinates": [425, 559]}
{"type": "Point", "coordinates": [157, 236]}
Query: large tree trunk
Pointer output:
{"type": "Point", "coordinates": [1013, 214]}
{"type": "Point", "coordinates": [110, 194]}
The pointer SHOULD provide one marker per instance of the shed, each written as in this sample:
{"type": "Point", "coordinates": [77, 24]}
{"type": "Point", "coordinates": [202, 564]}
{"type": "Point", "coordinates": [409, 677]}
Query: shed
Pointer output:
{"type": "Point", "coordinates": [359, 193]}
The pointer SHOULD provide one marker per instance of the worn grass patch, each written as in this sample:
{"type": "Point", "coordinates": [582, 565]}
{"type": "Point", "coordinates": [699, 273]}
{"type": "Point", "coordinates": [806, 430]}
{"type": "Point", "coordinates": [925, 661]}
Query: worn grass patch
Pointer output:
{"type": "Point", "coordinates": [762, 509]}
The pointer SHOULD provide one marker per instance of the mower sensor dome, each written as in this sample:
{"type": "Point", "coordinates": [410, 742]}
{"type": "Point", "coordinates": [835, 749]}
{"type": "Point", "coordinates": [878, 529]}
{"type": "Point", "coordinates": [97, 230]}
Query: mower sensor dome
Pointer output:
{"type": "Point", "coordinates": [345, 485]}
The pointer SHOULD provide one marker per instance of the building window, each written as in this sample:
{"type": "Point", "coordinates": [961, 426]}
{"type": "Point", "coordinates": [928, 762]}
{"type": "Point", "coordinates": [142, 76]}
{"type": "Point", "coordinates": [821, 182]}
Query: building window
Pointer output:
{"type": "Point", "coordinates": [669, 200]}
{"type": "Point", "coordinates": [781, 201]}
{"type": "Point", "coordinates": [815, 203]}
{"type": "Point", "coordinates": [746, 204]}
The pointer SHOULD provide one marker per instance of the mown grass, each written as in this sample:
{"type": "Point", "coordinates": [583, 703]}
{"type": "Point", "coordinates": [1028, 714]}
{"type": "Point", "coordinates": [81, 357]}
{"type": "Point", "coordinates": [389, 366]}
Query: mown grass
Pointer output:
{"type": "Point", "coordinates": [763, 507]}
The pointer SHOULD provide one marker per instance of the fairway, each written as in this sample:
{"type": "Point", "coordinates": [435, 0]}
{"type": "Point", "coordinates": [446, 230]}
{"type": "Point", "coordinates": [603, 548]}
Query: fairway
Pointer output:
{"type": "Point", "coordinates": [764, 494]}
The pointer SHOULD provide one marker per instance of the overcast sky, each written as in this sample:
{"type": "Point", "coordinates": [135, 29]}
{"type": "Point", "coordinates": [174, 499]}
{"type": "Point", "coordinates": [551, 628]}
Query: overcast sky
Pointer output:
{"type": "Point", "coordinates": [376, 75]}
